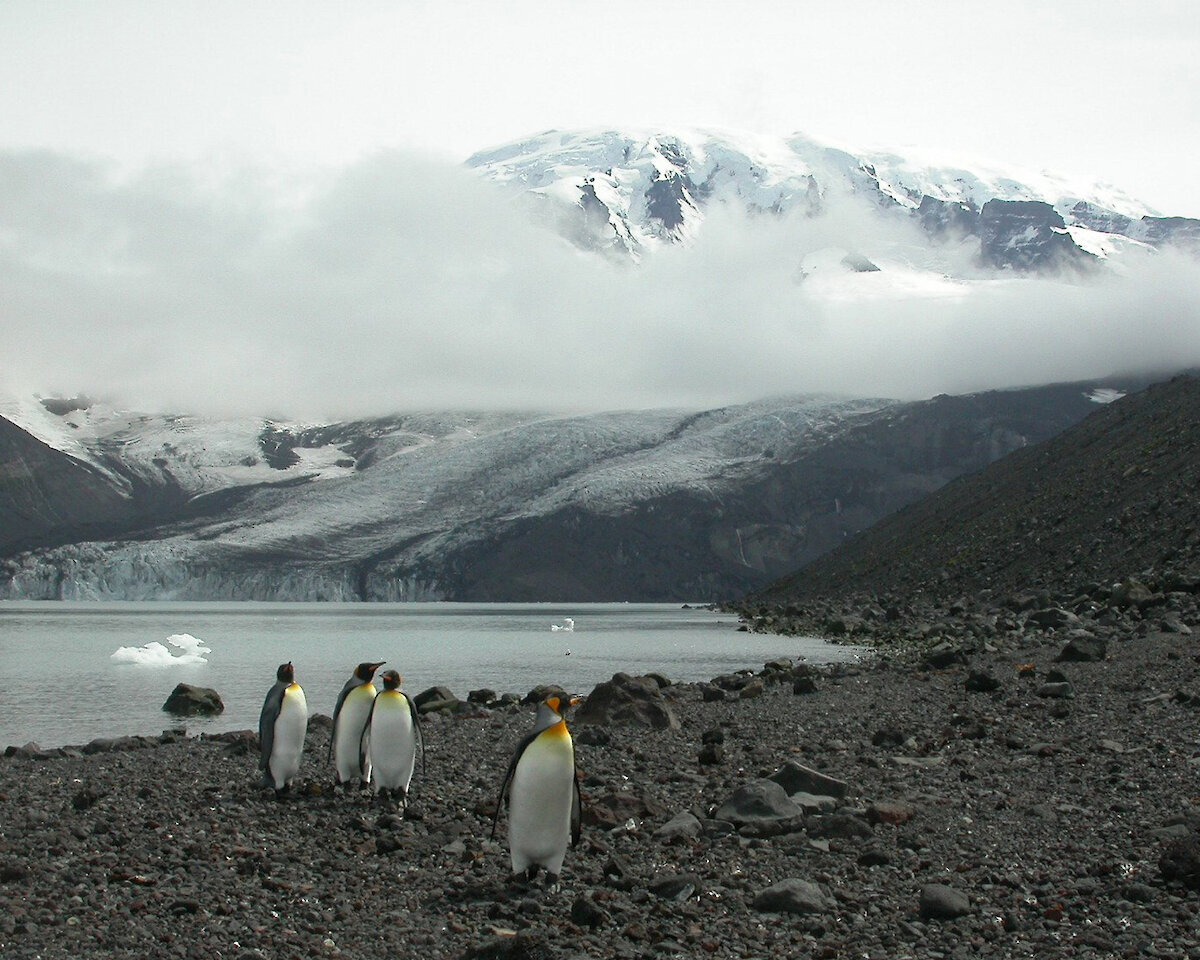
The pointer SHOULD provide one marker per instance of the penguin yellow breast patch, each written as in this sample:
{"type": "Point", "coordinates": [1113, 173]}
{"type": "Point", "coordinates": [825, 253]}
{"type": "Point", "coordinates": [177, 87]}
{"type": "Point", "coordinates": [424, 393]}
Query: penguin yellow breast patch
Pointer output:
{"type": "Point", "coordinates": [558, 731]}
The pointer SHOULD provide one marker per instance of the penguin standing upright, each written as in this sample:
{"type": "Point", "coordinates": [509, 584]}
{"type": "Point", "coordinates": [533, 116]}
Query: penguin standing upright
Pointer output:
{"type": "Point", "coordinates": [281, 729]}
{"type": "Point", "coordinates": [393, 733]}
{"type": "Point", "coordinates": [347, 741]}
{"type": "Point", "coordinates": [543, 794]}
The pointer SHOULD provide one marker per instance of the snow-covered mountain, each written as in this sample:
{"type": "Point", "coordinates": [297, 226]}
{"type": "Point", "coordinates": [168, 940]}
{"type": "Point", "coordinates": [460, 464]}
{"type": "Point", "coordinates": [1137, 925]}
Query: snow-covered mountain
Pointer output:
{"type": "Point", "coordinates": [626, 193]}
{"type": "Point", "coordinates": [96, 503]}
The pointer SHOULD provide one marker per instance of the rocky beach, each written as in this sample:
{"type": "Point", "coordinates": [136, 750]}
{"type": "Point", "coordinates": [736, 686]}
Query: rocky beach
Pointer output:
{"type": "Point", "coordinates": [999, 788]}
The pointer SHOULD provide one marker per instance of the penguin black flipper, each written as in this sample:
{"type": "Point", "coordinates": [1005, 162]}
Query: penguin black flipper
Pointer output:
{"type": "Point", "coordinates": [364, 740]}
{"type": "Point", "coordinates": [349, 685]}
{"type": "Point", "coordinates": [576, 811]}
{"type": "Point", "coordinates": [266, 723]}
{"type": "Point", "coordinates": [508, 775]}
{"type": "Point", "coordinates": [418, 733]}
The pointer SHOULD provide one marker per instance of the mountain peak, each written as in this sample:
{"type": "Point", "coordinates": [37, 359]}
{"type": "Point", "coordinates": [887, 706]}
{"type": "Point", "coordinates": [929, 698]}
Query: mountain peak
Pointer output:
{"type": "Point", "coordinates": [628, 192]}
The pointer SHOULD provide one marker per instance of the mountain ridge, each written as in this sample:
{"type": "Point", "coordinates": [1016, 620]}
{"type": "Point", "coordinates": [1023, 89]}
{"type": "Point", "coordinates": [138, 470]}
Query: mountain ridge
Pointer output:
{"type": "Point", "coordinates": [1109, 501]}
{"type": "Point", "coordinates": [654, 505]}
{"type": "Point", "coordinates": [625, 193]}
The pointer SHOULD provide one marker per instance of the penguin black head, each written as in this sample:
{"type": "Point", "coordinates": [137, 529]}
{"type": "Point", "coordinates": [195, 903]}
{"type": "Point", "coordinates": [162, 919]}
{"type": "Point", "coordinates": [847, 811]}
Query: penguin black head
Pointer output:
{"type": "Point", "coordinates": [366, 671]}
{"type": "Point", "coordinates": [391, 680]}
{"type": "Point", "coordinates": [286, 673]}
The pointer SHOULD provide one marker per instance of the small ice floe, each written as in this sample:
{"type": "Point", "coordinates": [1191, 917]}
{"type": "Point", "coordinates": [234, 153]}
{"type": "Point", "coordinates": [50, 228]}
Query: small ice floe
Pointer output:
{"type": "Point", "coordinates": [567, 624]}
{"type": "Point", "coordinates": [155, 654]}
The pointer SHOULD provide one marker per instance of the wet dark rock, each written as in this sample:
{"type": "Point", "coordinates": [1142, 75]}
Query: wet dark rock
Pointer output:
{"type": "Point", "coordinates": [1053, 618]}
{"type": "Point", "coordinates": [614, 808]}
{"type": "Point", "coordinates": [758, 801]}
{"type": "Point", "coordinates": [1084, 650]}
{"type": "Point", "coordinates": [980, 681]}
{"type": "Point", "coordinates": [85, 797]}
{"type": "Point", "coordinates": [804, 685]}
{"type": "Point", "coordinates": [890, 812]}
{"type": "Point", "coordinates": [942, 902]}
{"type": "Point", "coordinates": [795, 777]}
{"type": "Point", "coordinates": [592, 736]}
{"type": "Point", "coordinates": [543, 691]}
{"type": "Point", "coordinates": [711, 754]}
{"type": "Point", "coordinates": [432, 695]}
{"type": "Point", "coordinates": [190, 701]}
{"type": "Point", "coordinates": [523, 945]}
{"type": "Point", "coordinates": [1061, 690]}
{"type": "Point", "coordinates": [838, 826]}
{"type": "Point", "coordinates": [754, 688]}
{"type": "Point", "coordinates": [626, 699]}
{"type": "Point", "coordinates": [482, 695]}
{"type": "Point", "coordinates": [675, 886]}
{"type": "Point", "coordinates": [944, 655]}
{"type": "Point", "coordinates": [1180, 862]}
{"type": "Point", "coordinates": [586, 913]}
{"type": "Point", "coordinates": [683, 826]}
{"type": "Point", "coordinates": [794, 896]}
{"type": "Point", "coordinates": [874, 857]}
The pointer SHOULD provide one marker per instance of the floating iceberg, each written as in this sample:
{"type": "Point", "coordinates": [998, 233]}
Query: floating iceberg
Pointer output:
{"type": "Point", "coordinates": [154, 654]}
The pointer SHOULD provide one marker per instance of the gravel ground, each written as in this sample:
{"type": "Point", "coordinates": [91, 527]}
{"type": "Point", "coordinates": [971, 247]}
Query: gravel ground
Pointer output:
{"type": "Point", "coordinates": [1026, 821]}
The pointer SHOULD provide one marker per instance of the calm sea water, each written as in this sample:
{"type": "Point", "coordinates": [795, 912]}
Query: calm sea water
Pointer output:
{"type": "Point", "coordinates": [59, 683]}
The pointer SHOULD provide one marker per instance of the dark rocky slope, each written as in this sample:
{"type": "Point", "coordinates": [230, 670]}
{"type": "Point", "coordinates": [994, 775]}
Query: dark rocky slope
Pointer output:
{"type": "Point", "coordinates": [1107, 513]}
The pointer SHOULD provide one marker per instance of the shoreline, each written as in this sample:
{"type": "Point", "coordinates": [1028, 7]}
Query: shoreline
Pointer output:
{"type": "Point", "coordinates": [1046, 816]}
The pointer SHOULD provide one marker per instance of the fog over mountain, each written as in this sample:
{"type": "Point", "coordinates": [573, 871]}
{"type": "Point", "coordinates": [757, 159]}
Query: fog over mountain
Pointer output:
{"type": "Point", "coordinates": [401, 282]}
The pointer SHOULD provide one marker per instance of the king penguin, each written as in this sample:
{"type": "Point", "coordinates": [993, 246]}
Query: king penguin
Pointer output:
{"type": "Point", "coordinates": [281, 729]}
{"type": "Point", "coordinates": [348, 738]}
{"type": "Point", "coordinates": [393, 734]}
{"type": "Point", "coordinates": [543, 794]}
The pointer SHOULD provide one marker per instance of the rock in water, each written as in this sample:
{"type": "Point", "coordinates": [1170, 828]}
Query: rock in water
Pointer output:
{"type": "Point", "coordinates": [189, 701]}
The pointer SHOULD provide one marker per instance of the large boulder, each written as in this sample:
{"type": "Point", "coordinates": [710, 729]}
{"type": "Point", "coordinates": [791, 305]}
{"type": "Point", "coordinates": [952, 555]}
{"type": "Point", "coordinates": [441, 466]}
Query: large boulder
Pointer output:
{"type": "Point", "coordinates": [794, 896]}
{"type": "Point", "coordinates": [626, 699]}
{"type": "Point", "coordinates": [940, 902]}
{"type": "Point", "coordinates": [795, 777]}
{"type": "Point", "coordinates": [760, 801]}
{"type": "Point", "coordinates": [189, 701]}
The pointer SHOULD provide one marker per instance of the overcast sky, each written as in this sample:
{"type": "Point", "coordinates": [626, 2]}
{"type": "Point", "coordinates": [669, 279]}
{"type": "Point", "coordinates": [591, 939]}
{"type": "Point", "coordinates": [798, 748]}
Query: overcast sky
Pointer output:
{"type": "Point", "coordinates": [227, 177]}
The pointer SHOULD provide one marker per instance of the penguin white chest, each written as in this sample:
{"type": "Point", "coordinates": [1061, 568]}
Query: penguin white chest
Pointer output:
{"type": "Point", "coordinates": [540, 798]}
{"type": "Point", "coordinates": [290, 728]}
{"type": "Point", "coordinates": [351, 721]}
{"type": "Point", "coordinates": [393, 744]}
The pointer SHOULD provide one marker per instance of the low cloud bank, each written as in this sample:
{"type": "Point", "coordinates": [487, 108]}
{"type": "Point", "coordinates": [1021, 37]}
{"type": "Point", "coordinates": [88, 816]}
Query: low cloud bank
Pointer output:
{"type": "Point", "coordinates": [400, 283]}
